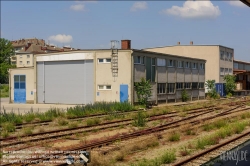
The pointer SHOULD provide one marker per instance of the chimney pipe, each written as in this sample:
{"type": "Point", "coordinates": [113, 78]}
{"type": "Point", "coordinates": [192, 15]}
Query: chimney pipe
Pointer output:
{"type": "Point", "coordinates": [125, 44]}
{"type": "Point", "coordinates": [191, 43]}
{"type": "Point", "coordinates": [178, 43]}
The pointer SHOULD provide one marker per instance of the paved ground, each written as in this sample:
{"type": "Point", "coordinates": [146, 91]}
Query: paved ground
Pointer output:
{"type": "Point", "coordinates": [24, 108]}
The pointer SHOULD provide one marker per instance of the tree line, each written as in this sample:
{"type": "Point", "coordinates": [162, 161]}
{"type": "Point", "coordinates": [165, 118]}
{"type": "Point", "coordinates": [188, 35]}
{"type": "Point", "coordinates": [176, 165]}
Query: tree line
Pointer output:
{"type": "Point", "coordinates": [6, 51]}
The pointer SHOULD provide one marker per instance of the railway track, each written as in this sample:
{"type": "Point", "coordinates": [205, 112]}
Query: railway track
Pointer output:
{"type": "Point", "coordinates": [170, 125]}
{"type": "Point", "coordinates": [206, 155]}
{"type": "Point", "coordinates": [64, 132]}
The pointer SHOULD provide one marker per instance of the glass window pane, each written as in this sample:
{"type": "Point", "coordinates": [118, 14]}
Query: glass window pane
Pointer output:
{"type": "Point", "coordinates": [108, 87]}
{"type": "Point", "coordinates": [16, 85]}
{"type": "Point", "coordinates": [16, 78]}
{"type": "Point", "coordinates": [22, 78]}
{"type": "Point", "coordinates": [100, 87]}
{"type": "Point", "coordinates": [22, 85]}
{"type": "Point", "coordinates": [100, 60]}
{"type": "Point", "coordinates": [108, 60]}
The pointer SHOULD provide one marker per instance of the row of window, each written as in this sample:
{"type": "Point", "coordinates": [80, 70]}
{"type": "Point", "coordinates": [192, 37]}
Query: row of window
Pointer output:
{"type": "Point", "coordinates": [163, 88]}
{"type": "Point", "coordinates": [225, 71]}
{"type": "Point", "coordinates": [228, 56]}
{"type": "Point", "coordinates": [21, 62]}
{"type": "Point", "coordinates": [170, 63]}
{"type": "Point", "coordinates": [104, 87]}
{"type": "Point", "coordinates": [104, 60]}
{"type": "Point", "coordinates": [21, 56]}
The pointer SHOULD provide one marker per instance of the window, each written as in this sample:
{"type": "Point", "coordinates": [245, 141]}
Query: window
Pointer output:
{"type": "Point", "coordinates": [138, 60]}
{"type": "Point", "coordinates": [187, 65]}
{"type": "Point", "coordinates": [108, 60]}
{"type": "Point", "coordinates": [28, 56]}
{"type": "Point", "coordinates": [222, 71]}
{"type": "Point", "coordinates": [226, 71]}
{"type": "Point", "coordinates": [28, 62]}
{"type": "Point", "coordinates": [161, 88]}
{"type": "Point", "coordinates": [230, 72]}
{"type": "Point", "coordinates": [161, 62]}
{"type": "Point", "coordinates": [195, 85]}
{"type": "Point", "coordinates": [230, 56]}
{"type": "Point", "coordinates": [222, 55]}
{"type": "Point", "coordinates": [19, 82]}
{"type": "Point", "coordinates": [171, 88]}
{"type": "Point", "coordinates": [227, 58]}
{"type": "Point", "coordinates": [194, 65]}
{"type": "Point", "coordinates": [13, 63]}
{"type": "Point", "coordinates": [150, 69]}
{"type": "Point", "coordinates": [201, 85]}
{"type": "Point", "coordinates": [20, 56]}
{"type": "Point", "coordinates": [187, 85]}
{"type": "Point", "coordinates": [202, 66]}
{"type": "Point", "coordinates": [104, 87]}
{"type": "Point", "coordinates": [179, 85]}
{"type": "Point", "coordinates": [170, 63]}
{"type": "Point", "coordinates": [180, 64]}
{"type": "Point", "coordinates": [104, 60]}
{"type": "Point", "coordinates": [20, 62]}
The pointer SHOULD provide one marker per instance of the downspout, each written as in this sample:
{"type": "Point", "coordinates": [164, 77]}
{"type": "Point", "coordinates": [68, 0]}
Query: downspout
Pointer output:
{"type": "Point", "coordinates": [132, 78]}
{"type": "Point", "coordinates": [9, 85]}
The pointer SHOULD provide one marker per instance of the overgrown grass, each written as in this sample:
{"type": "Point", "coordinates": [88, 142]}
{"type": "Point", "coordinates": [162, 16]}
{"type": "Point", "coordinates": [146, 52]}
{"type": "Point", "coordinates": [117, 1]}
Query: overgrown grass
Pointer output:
{"type": "Point", "coordinates": [174, 136]}
{"type": "Point", "coordinates": [77, 111]}
{"type": "Point", "coordinates": [92, 122]}
{"type": "Point", "coordinates": [167, 157]}
{"type": "Point", "coordinates": [140, 119]}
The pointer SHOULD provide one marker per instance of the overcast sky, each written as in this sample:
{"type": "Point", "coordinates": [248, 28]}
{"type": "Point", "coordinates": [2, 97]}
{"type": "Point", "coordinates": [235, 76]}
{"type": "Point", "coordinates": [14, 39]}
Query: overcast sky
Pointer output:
{"type": "Point", "coordinates": [90, 25]}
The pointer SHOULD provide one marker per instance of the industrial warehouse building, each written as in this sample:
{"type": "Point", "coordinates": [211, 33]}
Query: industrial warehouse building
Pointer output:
{"type": "Point", "coordinates": [87, 76]}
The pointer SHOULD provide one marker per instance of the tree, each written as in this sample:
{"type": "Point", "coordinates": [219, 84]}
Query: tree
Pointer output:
{"type": "Point", "coordinates": [230, 84]}
{"type": "Point", "coordinates": [143, 91]}
{"type": "Point", "coordinates": [184, 95]}
{"type": "Point", "coordinates": [6, 50]}
{"type": "Point", "coordinates": [210, 84]}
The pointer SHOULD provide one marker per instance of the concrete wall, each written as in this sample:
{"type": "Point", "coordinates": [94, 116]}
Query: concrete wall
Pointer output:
{"type": "Point", "coordinates": [210, 53]}
{"type": "Point", "coordinates": [29, 73]}
{"type": "Point", "coordinates": [103, 75]}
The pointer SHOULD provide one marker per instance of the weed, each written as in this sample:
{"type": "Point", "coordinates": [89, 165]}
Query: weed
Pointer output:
{"type": "Point", "coordinates": [4, 133]}
{"type": "Point", "coordinates": [92, 122]}
{"type": "Point", "coordinates": [27, 130]}
{"type": "Point", "coordinates": [140, 119]}
{"type": "Point", "coordinates": [168, 157]}
{"type": "Point", "coordinates": [184, 151]}
{"type": "Point", "coordinates": [73, 125]}
{"type": "Point", "coordinates": [174, 137]}
{"type": "Point", "coordinates": [120, 156]}
{"type": "Point", "coordinates": [62, 121]}
{"type": "Point", "coordinates": [10, 127]}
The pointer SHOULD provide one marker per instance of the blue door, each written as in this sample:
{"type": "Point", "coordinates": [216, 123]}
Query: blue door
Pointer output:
{"type": "Point", "coordinates": [19, 89]}
{"type": "Point", "coordinates": [123, 92]}
{"type": "Point", "coordinates": [220, 88]}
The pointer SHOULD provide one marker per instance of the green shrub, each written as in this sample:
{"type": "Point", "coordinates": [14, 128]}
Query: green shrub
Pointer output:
{"type": "Point", "coordinates": [140, 119]}
{"type": "Point", "coordinates": [184, 95]}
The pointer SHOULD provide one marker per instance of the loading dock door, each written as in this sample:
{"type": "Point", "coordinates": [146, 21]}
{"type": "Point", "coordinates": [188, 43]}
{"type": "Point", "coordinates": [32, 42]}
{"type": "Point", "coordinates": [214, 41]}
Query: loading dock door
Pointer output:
{"type": "Point", "coordinates": [67, 82]}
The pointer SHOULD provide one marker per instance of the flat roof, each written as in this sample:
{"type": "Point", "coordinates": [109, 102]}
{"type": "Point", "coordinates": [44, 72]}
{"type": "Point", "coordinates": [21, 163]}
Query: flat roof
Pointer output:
{"type": "Point", "coordinates": [188, 45]}
{"type": "Point", "coordinates": [241, 61]}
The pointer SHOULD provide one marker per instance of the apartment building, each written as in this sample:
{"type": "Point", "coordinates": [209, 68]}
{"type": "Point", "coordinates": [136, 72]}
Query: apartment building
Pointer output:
{"type": "Point", "coordinates": [25, 49]}
{"type": "Point", "coordinates": [242, 72]}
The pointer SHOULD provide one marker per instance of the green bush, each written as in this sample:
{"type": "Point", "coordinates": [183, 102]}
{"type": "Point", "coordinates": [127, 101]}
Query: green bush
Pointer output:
{"type": "Point", "coordinates": [184, 95]}
{"type": "Point", "coordinates": [140, 119]}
